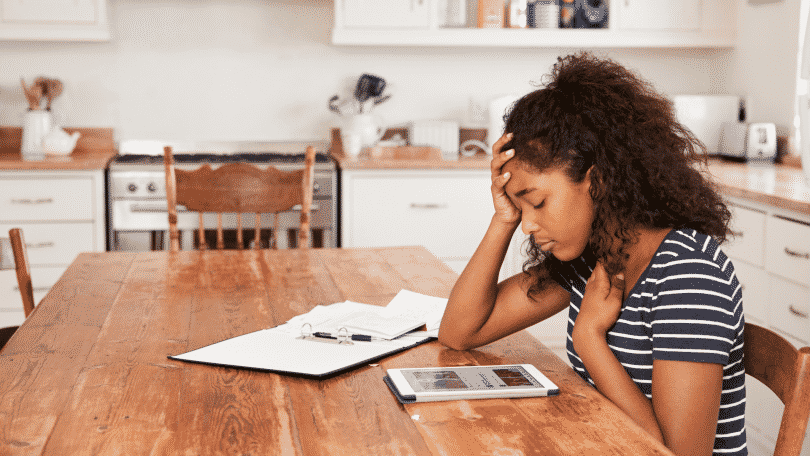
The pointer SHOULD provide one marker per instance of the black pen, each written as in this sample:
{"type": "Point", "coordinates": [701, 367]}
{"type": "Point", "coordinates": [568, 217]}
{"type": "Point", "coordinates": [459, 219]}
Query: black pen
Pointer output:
{"type": "Point", "coordinates": [360, 337]}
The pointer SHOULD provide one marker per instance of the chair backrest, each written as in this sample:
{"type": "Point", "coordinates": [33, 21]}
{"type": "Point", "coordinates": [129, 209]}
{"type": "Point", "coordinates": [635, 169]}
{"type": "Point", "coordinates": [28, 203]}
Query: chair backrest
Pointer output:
{"type": "Point", "coordinates": [774, 361]}
{"type": "Point", "coordinates": [239, 188]}
{"type": "Point", "coordinates": [13, 255]}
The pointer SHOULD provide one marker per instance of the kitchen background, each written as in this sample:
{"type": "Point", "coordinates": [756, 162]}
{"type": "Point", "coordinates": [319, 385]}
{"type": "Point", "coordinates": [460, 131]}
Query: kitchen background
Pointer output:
{"type": "Point", "coordinates": [264, 70]}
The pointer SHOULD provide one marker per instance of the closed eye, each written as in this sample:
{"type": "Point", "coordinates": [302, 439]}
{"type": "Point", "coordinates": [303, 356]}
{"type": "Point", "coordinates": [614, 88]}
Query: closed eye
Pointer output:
{"type": "Point", "coordinates": [542, 203]}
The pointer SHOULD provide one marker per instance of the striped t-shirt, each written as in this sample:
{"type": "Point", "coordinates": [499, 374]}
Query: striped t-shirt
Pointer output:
{"type": "Point", "coordinates": [686, 306]}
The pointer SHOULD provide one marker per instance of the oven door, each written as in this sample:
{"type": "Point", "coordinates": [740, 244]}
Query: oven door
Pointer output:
{"type": "Point", "coordinates": [141, 225]}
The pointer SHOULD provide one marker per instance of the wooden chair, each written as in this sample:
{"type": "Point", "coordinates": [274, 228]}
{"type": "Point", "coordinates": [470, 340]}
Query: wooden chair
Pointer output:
{"type": "Point", "coordinates": [239, 188]}
{"type": "Point", "coordinates": [13, 255]}
{"type": "Point", "coordinates": [786, 371]}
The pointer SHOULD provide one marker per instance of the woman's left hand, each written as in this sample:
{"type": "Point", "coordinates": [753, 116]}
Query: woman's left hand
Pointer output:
{"type": "Point", "coordinates": [601, 303]}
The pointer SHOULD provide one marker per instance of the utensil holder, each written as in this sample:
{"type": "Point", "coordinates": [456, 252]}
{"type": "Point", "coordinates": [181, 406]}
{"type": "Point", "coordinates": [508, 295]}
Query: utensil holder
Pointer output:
{"type": "Point", "coordinates": [36, 124]}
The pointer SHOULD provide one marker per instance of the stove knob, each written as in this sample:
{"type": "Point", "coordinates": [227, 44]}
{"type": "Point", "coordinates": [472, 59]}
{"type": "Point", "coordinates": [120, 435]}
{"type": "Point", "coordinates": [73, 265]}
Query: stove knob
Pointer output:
{"type": "Point", "coordinates": [316, 187]}
{"type": "Point", "coordinates": [132, 188]}
{"type": "Point", "coordinates": [151, 187]}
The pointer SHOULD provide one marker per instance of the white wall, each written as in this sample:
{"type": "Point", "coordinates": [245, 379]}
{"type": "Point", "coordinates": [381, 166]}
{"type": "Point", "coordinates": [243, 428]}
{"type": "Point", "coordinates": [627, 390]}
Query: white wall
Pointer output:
{"type": "Point", "coordinates": [765, 61]}
{"type": "Point", "coordinates": [264, 70]}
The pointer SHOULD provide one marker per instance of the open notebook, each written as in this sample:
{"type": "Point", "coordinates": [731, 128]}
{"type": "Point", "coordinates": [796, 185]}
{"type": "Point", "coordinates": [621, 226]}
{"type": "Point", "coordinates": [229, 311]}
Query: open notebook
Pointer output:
{"type": "Point", "coordinates": [294, 348]}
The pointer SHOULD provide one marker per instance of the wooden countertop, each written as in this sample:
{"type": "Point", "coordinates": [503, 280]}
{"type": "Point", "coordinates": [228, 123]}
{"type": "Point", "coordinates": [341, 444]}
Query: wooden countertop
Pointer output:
{"type": "Point", "coordinates": [778, 185]}
{"type": "Point", "coordinates": [781, 186]}
{"type": "Point", "coordinates": [94, 150]}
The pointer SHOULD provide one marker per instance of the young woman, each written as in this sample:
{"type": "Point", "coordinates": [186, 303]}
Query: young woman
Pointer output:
{"type": "Point", "coordinates": [625, 235]}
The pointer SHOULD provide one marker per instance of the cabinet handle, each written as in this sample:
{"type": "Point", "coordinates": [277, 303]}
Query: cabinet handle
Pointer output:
{"type": "Point", "coordinates": [798, 313]}
{"type": "Point", "coordinates": [806, 256]}
{"type": "Point", "coordinates": [428, 206]}
{"type": "Point", "coordinates": [40, 245]}
{"type": "Point", "coordinates": [34, 289]}
{"type": "Point", "coordinates": [32, 201]}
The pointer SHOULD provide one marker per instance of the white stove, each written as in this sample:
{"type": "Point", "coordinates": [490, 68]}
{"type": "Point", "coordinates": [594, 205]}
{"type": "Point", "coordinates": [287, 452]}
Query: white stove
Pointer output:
{"type": "Point", "coordinates": [137, 193]}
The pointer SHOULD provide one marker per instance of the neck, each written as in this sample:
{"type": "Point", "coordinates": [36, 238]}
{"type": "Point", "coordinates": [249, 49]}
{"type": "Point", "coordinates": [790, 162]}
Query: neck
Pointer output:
{"type": "Point", "coordinates": [641, 253]}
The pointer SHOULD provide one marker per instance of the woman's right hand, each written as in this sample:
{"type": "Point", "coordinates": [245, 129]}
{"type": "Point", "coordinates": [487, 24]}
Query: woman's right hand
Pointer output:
{"type": "Point", "coordinates": [505, 210]}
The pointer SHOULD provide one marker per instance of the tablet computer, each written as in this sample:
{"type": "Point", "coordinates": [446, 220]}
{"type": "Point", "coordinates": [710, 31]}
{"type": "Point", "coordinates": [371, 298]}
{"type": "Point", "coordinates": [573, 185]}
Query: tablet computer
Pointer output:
{"type": "Point", "coordinates": [468, 382]}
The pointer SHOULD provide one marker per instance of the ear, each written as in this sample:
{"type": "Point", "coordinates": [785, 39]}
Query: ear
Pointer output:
{"type": "Point", "coordinates": [594, 183]}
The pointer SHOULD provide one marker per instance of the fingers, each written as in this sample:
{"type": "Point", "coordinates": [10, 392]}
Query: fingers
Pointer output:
{"type": "Point", "coordinates": [498, 157]}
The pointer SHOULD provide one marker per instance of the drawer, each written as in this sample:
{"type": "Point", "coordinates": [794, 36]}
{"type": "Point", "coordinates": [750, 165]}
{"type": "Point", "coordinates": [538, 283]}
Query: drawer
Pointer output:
{"type": "Point", "coordinates": [50, 244]}
{"type": "Point", "coordinates": [46, 199]}
{"type": "Point", "coordinates": [787, 251]}
{"type": "Point", "coordinates": [747, 241]}
{"type": "Point", "coordinates": [754, 281]}
{"type": "Point", "coordinates": [42, 279]}
{"type": "Point", "coordinates": [790, 308]}
{"type": "Point", "coordinates": [447, 215]}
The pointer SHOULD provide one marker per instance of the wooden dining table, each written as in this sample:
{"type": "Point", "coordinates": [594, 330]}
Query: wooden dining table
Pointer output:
{"type": "Point", "coordinates": [88, 373]}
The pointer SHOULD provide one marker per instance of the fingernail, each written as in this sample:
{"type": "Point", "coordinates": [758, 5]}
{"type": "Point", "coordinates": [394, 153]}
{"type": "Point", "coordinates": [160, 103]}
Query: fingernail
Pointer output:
{"type": "Point", "coordinates": [620, 276]}
{"type": "Point", "coordinates": [510, 152]}
{"type": "Point", "coordinates": [506, 175]}
{"type": "Point", "coordinates": [510, 135]}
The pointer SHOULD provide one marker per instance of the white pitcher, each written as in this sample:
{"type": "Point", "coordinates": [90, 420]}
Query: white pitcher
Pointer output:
{"type": "Point", "coordinates": [36, 125]}
{"type": "Point", "coordinates": [367, 127]}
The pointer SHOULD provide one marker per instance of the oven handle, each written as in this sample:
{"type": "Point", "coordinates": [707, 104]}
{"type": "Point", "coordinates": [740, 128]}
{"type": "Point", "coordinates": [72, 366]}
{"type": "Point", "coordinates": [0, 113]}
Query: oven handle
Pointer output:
{"type": "Point", "coordinates": [162, 209]}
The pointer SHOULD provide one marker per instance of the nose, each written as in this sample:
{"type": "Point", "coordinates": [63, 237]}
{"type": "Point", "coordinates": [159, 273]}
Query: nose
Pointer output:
{"type": "Point", "coordinates": [527, 224]}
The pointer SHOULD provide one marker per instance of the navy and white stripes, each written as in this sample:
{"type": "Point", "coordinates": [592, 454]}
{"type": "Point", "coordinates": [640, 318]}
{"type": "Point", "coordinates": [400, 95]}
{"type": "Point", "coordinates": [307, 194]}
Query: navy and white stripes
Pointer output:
{"type": "Point", "coordinates": [686, 306]}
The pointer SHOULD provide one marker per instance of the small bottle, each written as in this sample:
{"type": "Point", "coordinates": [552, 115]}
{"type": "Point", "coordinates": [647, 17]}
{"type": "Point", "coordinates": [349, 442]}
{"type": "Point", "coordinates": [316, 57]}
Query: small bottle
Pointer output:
{"type": "Point", "coordinates": [567, 11]}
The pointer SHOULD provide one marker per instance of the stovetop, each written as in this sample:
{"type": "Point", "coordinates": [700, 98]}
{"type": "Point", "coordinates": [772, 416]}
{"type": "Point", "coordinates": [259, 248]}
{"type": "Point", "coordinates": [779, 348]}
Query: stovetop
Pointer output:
{"type": "Point", "coordinates": [149, 153]}
{"type": "Point", "coordinates": [245, 157]}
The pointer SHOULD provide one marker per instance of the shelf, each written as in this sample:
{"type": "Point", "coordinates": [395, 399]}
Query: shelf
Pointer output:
{"type": "Point", "coordinates": [533, 38]}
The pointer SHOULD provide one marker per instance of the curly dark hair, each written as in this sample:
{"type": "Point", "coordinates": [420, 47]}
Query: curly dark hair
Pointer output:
{"type": "Point", "coordinates": [594, 114]}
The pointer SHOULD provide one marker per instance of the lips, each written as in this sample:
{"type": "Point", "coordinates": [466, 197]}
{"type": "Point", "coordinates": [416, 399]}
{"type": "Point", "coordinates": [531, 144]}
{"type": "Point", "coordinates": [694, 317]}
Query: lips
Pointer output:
{"type": "Point", "coordinates": [545, 245]}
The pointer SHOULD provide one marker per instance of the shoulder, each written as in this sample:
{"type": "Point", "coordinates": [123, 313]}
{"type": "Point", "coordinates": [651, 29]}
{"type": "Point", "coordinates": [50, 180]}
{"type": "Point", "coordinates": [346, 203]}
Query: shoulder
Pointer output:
{"type": "Point", "coordinates": [687, 251]}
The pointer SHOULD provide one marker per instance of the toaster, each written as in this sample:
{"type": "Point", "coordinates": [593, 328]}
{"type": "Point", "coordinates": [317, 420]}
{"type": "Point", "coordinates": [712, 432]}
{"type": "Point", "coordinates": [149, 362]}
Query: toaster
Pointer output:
{"type": "Point", "coordinates": [748, 141]}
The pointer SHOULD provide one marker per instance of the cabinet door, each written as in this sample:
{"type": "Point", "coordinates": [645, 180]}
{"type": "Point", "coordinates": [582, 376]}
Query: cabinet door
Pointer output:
{"type": "Point", "coordinates": [43, 11]}
{"type": "Point", "coordinates": [747, 240]}
{"type": "Point", "coordinates": [680, 15]}
{"type": "Point", "coordinates": [386, 13]}
{"type": "Point", "coordinates": [448, 214]}
{"type": "Point", "coordinates": [787, 251]}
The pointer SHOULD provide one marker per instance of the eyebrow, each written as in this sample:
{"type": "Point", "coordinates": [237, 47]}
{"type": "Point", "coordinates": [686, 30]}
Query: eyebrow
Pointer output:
{"type": "Point", "coordinates": [524, 191]}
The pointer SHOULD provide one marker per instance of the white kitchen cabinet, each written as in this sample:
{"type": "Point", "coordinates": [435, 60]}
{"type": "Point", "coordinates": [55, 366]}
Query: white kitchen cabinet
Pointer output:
{"type": "Point", "coordinates": [62, 214]}
{"type": "Point", "coordinates": [631, 23]}
{"type": "Point", "coordinates": [771, 254]}
{"type": "Point", "coordinates": [447, 212]}
{"type": "Point", "coordinates": [54, 20]}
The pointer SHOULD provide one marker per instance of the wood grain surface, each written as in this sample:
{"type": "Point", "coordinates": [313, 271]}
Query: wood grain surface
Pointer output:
{"type": "Point", "coordinates": [94, 150]}
{"type": "Point", "coordinates": [88, 374]}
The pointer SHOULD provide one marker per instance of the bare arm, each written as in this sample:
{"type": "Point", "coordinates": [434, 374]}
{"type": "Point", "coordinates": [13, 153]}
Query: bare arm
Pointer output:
{"type": "Point", "coordinates": [686, 400]}
{"type": "Point", "coordinates": [480, 310]}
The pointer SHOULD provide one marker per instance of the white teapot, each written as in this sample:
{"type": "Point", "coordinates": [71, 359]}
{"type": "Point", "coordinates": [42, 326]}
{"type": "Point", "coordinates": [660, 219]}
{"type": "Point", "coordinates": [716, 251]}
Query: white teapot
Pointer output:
{"type": "Point", "coordinates": [59, 142]}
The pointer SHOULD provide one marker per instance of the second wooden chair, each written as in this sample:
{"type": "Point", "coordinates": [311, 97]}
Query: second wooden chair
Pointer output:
{"type": "Point", "coordinates": [13, 255]}
{"type": "Point", "coordinates": [239, 188]}
{"type": "Point", "coordinates": [771, 359]}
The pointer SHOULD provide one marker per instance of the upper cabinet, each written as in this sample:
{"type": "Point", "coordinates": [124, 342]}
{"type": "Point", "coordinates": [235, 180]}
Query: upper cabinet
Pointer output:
{"type": "Point", "coordinates": [631, 24]}
{"type": "Point", "coordinates": [54, 20]}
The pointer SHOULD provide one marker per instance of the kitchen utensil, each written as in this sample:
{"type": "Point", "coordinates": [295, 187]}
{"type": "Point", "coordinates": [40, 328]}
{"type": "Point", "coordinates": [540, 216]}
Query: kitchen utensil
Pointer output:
{"type": "Point", "coordinates": [368, 86]}
{"type": "Point", "coordinates": [59, 142]}
{"type": "Point", "coordinates": [704, 116]}
{"type": "Point", "coordinates": [36, 124]}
